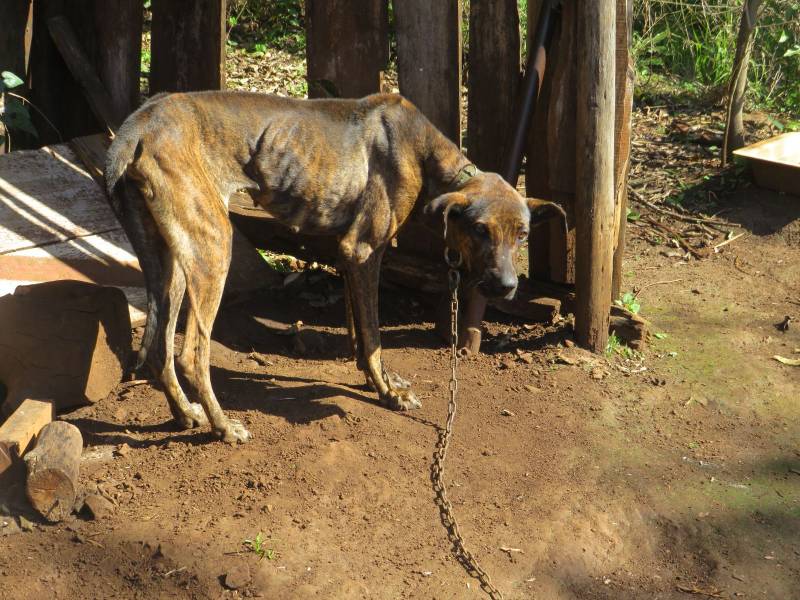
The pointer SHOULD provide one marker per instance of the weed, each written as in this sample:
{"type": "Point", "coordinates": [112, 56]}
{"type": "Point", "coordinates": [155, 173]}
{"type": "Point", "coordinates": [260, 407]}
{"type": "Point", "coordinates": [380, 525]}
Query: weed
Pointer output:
{"type": "Point", "coordinates": [258, 547]}
{"type": "Point", "coordinates": [628, 302]}
{"type": "Point", "coordinates": [277, 262]}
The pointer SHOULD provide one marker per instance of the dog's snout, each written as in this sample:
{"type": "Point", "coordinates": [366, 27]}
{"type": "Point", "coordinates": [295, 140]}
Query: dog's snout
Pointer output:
{"type": "Point", "coordinates": [499, 285]}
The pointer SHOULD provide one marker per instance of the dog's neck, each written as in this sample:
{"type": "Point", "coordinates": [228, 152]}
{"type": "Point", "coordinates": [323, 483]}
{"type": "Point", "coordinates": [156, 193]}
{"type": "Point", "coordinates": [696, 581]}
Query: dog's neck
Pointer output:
{"type": "Point", "coordinates": [446, 167]}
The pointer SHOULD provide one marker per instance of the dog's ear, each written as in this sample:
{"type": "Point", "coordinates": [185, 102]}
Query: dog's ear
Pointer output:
{"type": "Point", "coordinates": [447, 206]}
{"type": "Point", "coordinates": [542, 210]}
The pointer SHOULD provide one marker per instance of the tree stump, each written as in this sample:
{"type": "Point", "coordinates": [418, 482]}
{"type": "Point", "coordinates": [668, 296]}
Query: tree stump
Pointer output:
{"type": "Point", "coordinates": [53, 466]}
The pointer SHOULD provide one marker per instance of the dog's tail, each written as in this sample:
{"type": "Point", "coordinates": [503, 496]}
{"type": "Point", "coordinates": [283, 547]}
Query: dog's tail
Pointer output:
{"type": "Point", "coordinates": [129, 206]}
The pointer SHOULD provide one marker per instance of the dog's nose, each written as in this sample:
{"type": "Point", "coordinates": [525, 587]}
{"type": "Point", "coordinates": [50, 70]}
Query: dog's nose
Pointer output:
{"type": "Point", "coordinates": [506, 286]}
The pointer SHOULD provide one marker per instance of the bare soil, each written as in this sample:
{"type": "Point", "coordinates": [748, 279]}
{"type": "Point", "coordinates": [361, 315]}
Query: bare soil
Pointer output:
{"type": "Point", "coordinates": [671, 474]}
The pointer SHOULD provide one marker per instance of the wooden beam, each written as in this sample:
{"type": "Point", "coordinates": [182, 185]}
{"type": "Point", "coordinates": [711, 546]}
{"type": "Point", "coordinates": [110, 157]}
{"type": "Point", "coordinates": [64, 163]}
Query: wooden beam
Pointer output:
{"type": "Point", "coordinates": [494, 72]}
{"type": "Point", "coordinates": [187, 45]}
{"type": "Point", "coordinates": [429, 60]}
{"type": "Point", "coordinates": [625, 76]}
{"type": "Point", "coordinates": [347, 47]}
{"type": "Point", "coordinates": [83, 72]}
{"type": "Point", "coordinates": [21, 428]}
{"type": "Point", "coordinates": [15, 17]}
{"type": "Point", "coordinates": [595, 172]}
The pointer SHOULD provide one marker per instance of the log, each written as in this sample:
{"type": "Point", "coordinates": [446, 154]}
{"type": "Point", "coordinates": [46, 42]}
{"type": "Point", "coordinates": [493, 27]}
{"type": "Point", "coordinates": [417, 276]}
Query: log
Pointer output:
{"type": "Point", "coordinates": [493, 79]}
{"type": "Point", "coordinates": [83, 72]}
{"type": "Point", "coordinates": [595, 172]}
{"type": "Point", "coordinates": [21, 428]}
{"type": "Point", "coordinates": [429, 60]}
{"type": "Point", "coordinates": [187, 45]}
{"type": "Point", "coordinates": [53, 467]}
{"type": "Point", "coordinates": [347, 47]}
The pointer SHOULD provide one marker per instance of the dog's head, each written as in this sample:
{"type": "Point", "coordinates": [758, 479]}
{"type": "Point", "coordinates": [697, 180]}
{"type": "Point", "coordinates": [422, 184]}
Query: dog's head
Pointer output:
{"type": "Point", "coordinates": [486, 221]}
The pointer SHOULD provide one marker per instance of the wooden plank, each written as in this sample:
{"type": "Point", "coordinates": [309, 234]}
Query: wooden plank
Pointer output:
{"type": "Point", "coordinates": [81, 69]}
{"type": "Point", "coordinates": [15, 17]}
{"type": "Point", "coordinates": [187, 45]}
{"type": "Point", "coordinates": [118, 27]}
{"type": "Point", "coordinates": [494, 71]}
{"type": "Point", "coordinates": [595, 172]}
{"type": "Point", "coordinates": [625, 76]}
{"type": "Point", "coordinates": [21, 428]}
{"type": "Point", "coordinates": [429, 60]}
{"type": "Point", "coordinates": [347, 46]}
{"type": "Point", "coordinates": [91, 149]}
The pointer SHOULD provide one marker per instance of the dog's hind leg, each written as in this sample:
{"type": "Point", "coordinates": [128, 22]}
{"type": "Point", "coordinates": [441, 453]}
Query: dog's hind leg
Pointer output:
{"type": "Point", "coordinates": [205, 284]}
{"type": "Point", "coordinates": [186, 414]}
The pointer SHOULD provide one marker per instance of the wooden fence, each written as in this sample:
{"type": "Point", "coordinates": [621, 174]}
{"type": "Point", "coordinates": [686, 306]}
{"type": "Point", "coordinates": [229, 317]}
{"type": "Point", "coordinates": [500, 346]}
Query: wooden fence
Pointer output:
{"type": "Point", "coordinates": [348, 49]}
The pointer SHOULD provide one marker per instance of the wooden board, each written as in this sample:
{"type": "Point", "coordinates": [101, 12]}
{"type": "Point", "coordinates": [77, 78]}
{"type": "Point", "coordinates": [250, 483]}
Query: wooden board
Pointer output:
{"type": "Point", "coordinates": [55, 223]}
{"type": "Point", "coordinates": [347, 46]}
{"type": "Point", "coordinates": [429, 60]}
{"type": "Point", "coordinates": [494, 72]}
{"type": "Point", "coordinates": [187, 45]}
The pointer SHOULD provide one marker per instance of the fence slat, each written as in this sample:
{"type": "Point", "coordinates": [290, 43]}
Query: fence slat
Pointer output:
{"type": "Point", "coordinates": [13, 46]}
{"type": "Point", "coordinates": [187, 45]}
{"type": "Point", "coordinates": [347, 46]}
{"type": "Point", "coordinates": [493, 78]}
{"type": "Point", "coordinates": [429, 60]}
{"type": "Point", "coordinates": [119, 39]}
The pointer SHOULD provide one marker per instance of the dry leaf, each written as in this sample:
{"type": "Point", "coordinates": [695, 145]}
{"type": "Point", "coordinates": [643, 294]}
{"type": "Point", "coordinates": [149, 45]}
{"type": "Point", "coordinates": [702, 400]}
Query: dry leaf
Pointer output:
{"type": "Point", "coordinates": [792, 362]}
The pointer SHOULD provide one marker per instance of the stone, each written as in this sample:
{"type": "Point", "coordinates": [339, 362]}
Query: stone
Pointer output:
{"type": "Point", "coordinates": [98, 507]}
{"type": "Point", "coordinates": [237, 577]}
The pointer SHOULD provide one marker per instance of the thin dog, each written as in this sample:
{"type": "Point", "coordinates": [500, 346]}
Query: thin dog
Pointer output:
{"type": "Point", "coordinates": [353, 169]}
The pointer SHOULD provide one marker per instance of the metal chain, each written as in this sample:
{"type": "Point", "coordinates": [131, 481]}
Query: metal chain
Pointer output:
{"type": "Point", "coordinates": [464, 556]}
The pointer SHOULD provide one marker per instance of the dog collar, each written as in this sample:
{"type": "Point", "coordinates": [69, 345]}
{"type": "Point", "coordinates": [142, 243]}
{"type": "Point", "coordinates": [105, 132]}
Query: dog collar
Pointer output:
{"type": "Point", "coordinates": [464, 174]}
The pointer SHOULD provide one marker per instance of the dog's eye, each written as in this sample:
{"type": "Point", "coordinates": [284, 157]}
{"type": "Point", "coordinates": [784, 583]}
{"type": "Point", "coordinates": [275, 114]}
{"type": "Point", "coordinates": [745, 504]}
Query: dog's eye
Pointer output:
{"type": "Point", "coordinates": [481, 230]}
{"type": "Point", "coordinates": [522, 235]}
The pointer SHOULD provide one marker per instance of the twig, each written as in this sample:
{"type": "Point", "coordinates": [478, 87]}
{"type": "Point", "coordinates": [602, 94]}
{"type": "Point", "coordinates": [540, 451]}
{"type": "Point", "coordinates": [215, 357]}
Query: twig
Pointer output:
{"type": "Point", "coordinates": [649, 285]}
{"type": "Point", "coordinates": [726, 242]}
{"type": "Point", "coordinates": [687, 218]}
{"type": "Point", "coordinates": [133, 382]}
{"type": "Point", "coordinates": [36, 108]}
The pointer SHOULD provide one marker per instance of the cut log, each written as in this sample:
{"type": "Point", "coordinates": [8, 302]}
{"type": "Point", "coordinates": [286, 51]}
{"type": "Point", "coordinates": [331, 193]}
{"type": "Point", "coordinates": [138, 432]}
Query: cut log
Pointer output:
{"type": "Point", "coordinates": [67, 341]}
{"type": "Point", "coordinates": [21, 427]}
{"type": "Point", "coordinates": [53, 467]}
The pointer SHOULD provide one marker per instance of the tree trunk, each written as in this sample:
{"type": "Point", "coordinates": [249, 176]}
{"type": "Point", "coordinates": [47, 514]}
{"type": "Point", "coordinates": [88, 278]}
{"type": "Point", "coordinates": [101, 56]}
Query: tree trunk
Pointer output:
{"type": "Point", "coordinates": [734, 124]}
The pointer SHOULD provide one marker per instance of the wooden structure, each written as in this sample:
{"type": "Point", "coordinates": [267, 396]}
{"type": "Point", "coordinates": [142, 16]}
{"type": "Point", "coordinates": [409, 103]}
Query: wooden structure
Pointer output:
{"type": "Point", "coordinates": [580, 131]}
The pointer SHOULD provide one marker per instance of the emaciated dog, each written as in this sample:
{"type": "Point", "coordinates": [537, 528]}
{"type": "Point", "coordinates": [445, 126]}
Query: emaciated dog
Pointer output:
{"type": "Point", "coordinates": [349, 168]}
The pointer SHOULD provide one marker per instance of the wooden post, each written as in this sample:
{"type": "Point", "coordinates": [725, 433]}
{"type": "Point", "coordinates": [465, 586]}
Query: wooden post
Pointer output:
{"type": "Point", "coordinates": [493, 79]}
{"type": "Point", "coordinates": [625, 76]}
{"type": "Point", "coordinates": [15, 17]}
{"type": "Point", "coordinates": [595, 172]}
{"type": "Point", "coordinates": [347, 47]}
{"type": "Point", "coordinates": [119, 62]}
{"type": "Point", "coordinates": [53, 466]}
{"type": "Point", "coordinates": [187, 45]}
{"type": "Point", "coordinates": [429, 60]}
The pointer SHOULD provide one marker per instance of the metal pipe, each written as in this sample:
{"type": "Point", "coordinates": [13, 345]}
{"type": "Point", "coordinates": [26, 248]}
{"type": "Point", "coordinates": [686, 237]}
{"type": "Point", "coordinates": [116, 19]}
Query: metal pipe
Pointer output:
{"type": "Point", "coordinates": [531, 85]}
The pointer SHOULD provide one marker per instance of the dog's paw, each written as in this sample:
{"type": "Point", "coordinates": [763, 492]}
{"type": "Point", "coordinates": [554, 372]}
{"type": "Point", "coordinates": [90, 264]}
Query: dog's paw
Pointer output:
{"type": "Point", "coordinates": [195, 416]}
{"type": "Point", "coordinates": [234, 432]}
{"type": "Point", "coordinates": [396, 382]}
{"type": "Point", "coordinates": [402, 399]}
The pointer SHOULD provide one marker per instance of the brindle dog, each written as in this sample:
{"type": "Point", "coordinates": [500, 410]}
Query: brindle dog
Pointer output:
{"type": "Point", "coordinates": [349, 168]}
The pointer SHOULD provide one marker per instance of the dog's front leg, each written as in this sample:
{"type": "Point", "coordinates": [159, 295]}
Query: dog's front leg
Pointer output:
{"type": "Point", "coordinates": [362, 284]}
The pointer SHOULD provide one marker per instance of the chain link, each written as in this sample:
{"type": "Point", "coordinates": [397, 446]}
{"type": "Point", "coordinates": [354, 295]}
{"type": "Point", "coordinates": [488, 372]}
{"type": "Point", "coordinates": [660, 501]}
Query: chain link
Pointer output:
{"type": "Point", "coordinates": [464, 556]}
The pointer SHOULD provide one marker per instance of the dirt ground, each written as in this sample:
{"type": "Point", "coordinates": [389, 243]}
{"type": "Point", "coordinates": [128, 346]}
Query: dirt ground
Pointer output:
{"type": "Point", "coordinates": [671, 474]}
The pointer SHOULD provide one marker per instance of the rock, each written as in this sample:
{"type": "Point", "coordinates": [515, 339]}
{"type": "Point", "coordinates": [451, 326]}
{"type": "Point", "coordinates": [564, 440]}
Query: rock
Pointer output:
{"type": "Point", "coordinates": [8, 526]}
{"type": "Point", "coordinates": [598, 373]}
{"type": "Point", "coordinates": [237, 577]}
{"type": "Point", "coordinates": [98, 507]}
{"type": "Point", "coordinates": [123, 450]}
{"type": "Point", "coordinates": [526, 357]}
{"type": "Point", "coordinates": [569, 343]}
{"type": "Point", "coordinates": [25, 524]}
{"type": "Point", "coordinates": [531, 388]}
